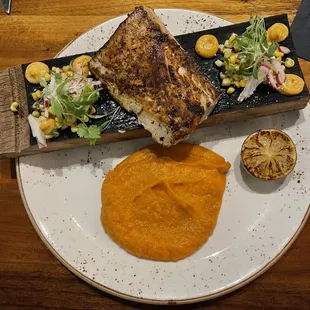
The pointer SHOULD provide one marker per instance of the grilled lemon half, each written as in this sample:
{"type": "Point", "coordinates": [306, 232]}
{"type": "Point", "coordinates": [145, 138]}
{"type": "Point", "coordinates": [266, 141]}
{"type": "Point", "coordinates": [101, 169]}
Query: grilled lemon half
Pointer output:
{"type": "Point", "coordinates": [269, 154]}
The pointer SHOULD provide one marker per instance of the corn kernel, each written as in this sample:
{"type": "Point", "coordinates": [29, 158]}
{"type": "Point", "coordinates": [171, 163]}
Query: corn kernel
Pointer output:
{"type": "Point", "coordinates": [230, 90]}
{"type": "Point", "coordinates": [236, 47]}
{"type": "Point", "coordinates": [35, 106]}
{"type": "Point", "coordinates": [221, 48]}
{"type": "Point", "coordinates": [232, 59]}
{"type": "Point", "coordinates": [85, 118]}
{"type": "Point", "coordinates": [38, 94]}
{"type": "Point", "coordinates": [227, 52]}
{"type": "Point", "coordinates": [48, 137]}
{"type": "Point", "coordinates": [232, 38]}
{"type": "Point", "coordinates": [56, 70]}
{"type": "Point", "coordinates": [34, 96]}
{"type": "Point", "coordinates": [74, 129]}
{"type": "Point", "coordinates": [228, 44]}
{"type": "Point", "coordinates": [69, 73]}
{"type": "Point", "coordinates": [237, 83]}
{"type": "Point", "coordinates": [219, 63]}
{"type": "Point", "coordinates": [66, 68]}
{"type": "Point", "coordinates": [14, 106]}
{"type": "Point", "coordinates": [242, 83]}
{"type": "Point", "coordinates": [226, 82]}
{"type": "Point", "coordinates": [222, 75]}
{"type": "Point", "coordinates": [289, 63]}
{"type": "Point", "coordinates": [35, 114]}
{"type": "Point", "coordinates": [92, 110]}
{"type": "Point", "coordinates": [278, 54]}
{"type": "Point", "coordinates": [279, 59]}
{"type": "Point", "coordinates": [47, 77]}
{"type": "Point", "coordinates": [91, 87]}
{"type": "Point", "coordinates": [51, 111]}
{"type": "Point", "coordinates": [237, 77]}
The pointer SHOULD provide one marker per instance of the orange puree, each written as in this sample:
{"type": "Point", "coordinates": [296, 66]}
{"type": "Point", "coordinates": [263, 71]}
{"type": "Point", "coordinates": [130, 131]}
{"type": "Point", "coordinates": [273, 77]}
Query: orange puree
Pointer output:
{"type": "Point", "coordinates": [163, 203]}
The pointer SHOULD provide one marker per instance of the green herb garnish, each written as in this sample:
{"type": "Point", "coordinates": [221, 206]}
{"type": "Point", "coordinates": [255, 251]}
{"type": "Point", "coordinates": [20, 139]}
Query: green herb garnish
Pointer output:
{"type": "Point", "coordinates": [70, 100]}
{"type": "Point", "coordinates": [254, 46]}
{"type": "Point", "coordinates": [93, 132]}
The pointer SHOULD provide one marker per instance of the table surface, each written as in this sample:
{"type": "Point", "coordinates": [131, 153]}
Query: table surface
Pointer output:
{"type": "Point", "coordinates": [30, 276]}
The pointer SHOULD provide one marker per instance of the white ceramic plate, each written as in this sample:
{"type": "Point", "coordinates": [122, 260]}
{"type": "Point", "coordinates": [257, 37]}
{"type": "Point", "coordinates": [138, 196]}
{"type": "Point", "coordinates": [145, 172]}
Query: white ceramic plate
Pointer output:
{"type": "Point", "coordinates": [257, 222]}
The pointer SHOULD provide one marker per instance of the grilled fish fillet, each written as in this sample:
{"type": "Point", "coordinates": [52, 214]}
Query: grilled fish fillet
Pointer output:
{"type": "Point", "coordinates": [149, 73]}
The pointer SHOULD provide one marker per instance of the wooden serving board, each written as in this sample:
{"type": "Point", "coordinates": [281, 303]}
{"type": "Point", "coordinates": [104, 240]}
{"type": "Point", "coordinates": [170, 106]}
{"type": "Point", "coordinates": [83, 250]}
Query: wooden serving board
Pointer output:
{"type": "Point", "coordinates": [16, 139]}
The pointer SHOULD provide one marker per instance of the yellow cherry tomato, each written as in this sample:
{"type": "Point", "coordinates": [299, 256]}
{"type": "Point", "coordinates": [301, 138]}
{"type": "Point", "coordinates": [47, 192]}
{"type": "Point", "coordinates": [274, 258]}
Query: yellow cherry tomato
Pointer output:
{"type": "Point", "coordinates": [207, 46]}
{"type": "Point", "coordinates": [81, 62]}
{"type": "Point", "coordinates": [47, 124]}
{"type": "Point", "coordinates": [278, 32]}
{"type": "Point", "coordinates": [36, 70]}
{"type": "Point", "coordinates": [293, 85]}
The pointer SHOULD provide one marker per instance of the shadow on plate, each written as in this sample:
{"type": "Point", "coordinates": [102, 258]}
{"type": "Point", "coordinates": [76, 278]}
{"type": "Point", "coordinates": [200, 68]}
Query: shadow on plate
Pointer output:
{"type": "Point", "coordinates": [252, 184]}
{"type": "Point", "coordinates": [213, 134]}
{"type": "Point", "coordinates": [111, 153]}
{"type": "Point", "coordinates": [93, 157]}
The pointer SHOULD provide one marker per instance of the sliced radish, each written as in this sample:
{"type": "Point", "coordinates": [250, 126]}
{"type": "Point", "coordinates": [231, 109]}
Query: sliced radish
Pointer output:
{"type": "Point", "coordinates": [271, 81]}
{"type": "Point", "coordinates": [36, 131]}
{"type": "Point", "coordinates": [279, 71]}
{"type": "Point", "coordinates": [263, 71]}
{"type": "Point", "coordinates": [265, 65]}
{"type": "Point", "coordinates": [284, 49]}
{"type": "Point", "coordinates": [280, 78]}
{"type": "Point", "coordinates": [46, 106]}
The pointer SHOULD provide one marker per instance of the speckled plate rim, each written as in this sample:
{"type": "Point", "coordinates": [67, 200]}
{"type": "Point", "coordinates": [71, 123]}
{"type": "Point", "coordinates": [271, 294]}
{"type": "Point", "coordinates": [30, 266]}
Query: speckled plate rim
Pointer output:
{"type": "Point", "coordinates": [144, 300]}
{"type": "Point", "coordinates": [111, 19]}
{"type": "Point", "coordinates": [154, 301]}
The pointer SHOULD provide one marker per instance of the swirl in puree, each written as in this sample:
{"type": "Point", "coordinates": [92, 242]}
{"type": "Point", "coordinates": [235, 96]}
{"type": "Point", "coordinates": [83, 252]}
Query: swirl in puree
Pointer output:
{"type": "Point", "coordinates": [163, 203]}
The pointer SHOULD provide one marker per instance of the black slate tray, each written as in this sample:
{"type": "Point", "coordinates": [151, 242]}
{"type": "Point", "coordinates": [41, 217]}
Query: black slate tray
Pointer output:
{"type": "Point", "coordinates": [264, 95]}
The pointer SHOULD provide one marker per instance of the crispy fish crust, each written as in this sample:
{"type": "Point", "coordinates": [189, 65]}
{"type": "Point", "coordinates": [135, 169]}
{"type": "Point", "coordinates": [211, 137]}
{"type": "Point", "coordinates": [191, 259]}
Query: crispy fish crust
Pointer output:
{"type": "Point", "coordinates": [149, 73]}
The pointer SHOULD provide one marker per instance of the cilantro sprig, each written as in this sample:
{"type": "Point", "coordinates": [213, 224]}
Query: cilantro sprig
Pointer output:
{"type": "Point", "coordinates": [71, 100]}
{"type": "Point", "coordinates": [254, 46]}
{"type": "Point", "coordinates": [93, 132]}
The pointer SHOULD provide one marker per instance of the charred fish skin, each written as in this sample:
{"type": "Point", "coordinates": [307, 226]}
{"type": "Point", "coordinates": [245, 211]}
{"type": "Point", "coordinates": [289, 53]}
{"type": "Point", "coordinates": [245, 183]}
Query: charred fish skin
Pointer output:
{"type": "Point", "coordinates": [149, 73]}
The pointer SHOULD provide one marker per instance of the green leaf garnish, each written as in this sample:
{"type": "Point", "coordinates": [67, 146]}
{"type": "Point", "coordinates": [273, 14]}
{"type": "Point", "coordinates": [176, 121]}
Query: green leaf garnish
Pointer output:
{"type": "Point", "coordinates": [93, 132]}
{"type": "Point", "coordinates": [272, 48]}
{"type": "Point", "coordinates": [70, 99]}
{"type": "Point", "coordinates": [253, 46]}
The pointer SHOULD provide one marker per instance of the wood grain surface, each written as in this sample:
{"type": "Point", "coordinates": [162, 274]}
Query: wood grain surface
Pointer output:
{"type": "Point", "coordinates": [30, 276]}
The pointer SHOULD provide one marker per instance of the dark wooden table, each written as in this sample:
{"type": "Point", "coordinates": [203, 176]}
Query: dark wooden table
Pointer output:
{"type": "Point", "coordinates": [30, 276]}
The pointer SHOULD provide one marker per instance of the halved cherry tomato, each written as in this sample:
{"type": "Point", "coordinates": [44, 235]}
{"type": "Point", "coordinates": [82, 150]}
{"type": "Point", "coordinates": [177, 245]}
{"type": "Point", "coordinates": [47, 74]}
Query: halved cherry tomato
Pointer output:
{"type": "Point", "coordinates": [35, 71]}
{"type": "Point", "coordinates": [207, 46]}
{"type": "Point", "coordinates": [293, 85]}
{"type": "Point", "coordinates": [278, 32]}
